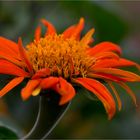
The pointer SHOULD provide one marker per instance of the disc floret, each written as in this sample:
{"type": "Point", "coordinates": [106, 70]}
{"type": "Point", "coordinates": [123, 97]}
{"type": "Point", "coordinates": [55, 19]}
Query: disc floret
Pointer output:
{"type": "Point", "coordinates": [63, 56]}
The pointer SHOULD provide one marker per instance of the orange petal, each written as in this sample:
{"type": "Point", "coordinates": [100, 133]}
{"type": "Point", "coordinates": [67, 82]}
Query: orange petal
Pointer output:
{"type": "Point", "coordinates": [114, 63]}
{"type": "Point", "coordinates": [11, 69]}
{"type": "Point", "coordinates": [49, 82]}
{"type": "Point", "coordinates": [105, 55]}
{"type": "Point", "coordinates": [106, 63]}
{"type": "Point", "coordinates": [8, 56]}
{"type": "Point", "coordinates": [24, 56]}
{"type": "Point", "coordinates": [27, 91]}
{"type": "Point", "coordinates": [50, 28]}
{"type": "Point", "coordinates": [105, 76]}
{"type": "Point", "coordinates": [66, 91]}
{"type": "Point", "coordinates": [78, 28]}
{"type": "Point", "coordinates": [9, 51]}
{"type": "Point", "coordinates": [42, 73]}
{"type": "Point", "coordinates": [87, 38]}
{"type": "Point", "coordinates": [124, 63]}
{"type": "Point", "coordinates": [68, 32]}
{"type": "Point", "coordinates": [74, 30]}
{"type": "Point", "coordinates": [116, 95]}
{"type": "Point", "coordinates": [129, 91]}
{"type": "Point", "coordinates": [37, 33]}
{"type": "Point", "coordinates": [9, 46]}
{"type": "Point", "coordinates": [101, 92]}
{"type": "Point", "coordinates": [13, 83]}
{"type": "Point", "coordinates": [118, 72]}
{"type": "Point", "coordinates": [104, 47]}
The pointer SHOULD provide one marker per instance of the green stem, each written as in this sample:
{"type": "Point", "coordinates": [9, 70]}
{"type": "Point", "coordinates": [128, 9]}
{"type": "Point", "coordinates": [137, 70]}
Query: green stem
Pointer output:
{"type": "Point", "coordinates": [49, 115]}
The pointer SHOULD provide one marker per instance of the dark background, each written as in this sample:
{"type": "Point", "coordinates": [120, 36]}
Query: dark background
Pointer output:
{"type": "Point", "coordinates": [115, 21]}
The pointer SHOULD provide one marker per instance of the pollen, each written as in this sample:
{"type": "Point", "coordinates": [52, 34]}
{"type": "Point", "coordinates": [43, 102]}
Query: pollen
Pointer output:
{"type": "Point", "coordinates": [64, 57]}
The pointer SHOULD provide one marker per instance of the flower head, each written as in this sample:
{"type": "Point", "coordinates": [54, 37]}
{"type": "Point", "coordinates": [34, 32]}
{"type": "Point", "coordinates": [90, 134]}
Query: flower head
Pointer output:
{"type": "Point", "coordinates": [60, 61]}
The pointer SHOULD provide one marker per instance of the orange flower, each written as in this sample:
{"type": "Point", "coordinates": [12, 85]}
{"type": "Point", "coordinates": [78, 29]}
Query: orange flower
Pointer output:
{"type": "Point", "coordinates": [59, 61]}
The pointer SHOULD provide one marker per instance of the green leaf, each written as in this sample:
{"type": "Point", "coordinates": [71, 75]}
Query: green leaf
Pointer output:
{"type": "Point", "coordinates": [7, 133]}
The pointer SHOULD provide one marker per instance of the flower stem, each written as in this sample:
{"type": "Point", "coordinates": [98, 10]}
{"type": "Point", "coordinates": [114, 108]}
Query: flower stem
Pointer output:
{"type": "Point", "coordinates": [49, 115]}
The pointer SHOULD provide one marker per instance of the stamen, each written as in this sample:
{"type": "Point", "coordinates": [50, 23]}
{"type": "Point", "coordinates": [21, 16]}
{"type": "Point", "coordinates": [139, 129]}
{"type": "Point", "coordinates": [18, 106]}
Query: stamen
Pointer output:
{"type": "Point", "coordinates": [63, 56]}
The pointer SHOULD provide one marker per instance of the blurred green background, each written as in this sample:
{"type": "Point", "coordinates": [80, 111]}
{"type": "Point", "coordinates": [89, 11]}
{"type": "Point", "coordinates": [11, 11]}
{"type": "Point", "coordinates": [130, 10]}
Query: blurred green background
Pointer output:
{"type": "Point", "coordinates": [115, 21]}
